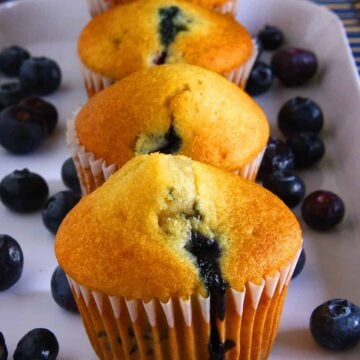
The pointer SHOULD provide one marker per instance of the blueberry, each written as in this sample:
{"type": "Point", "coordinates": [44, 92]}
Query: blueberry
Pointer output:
{"type": "Point", "coordinates": [56, 209]}
{"type": "Point", "coordinates": [300, 115]}
{"type": "Point", "coordinates": [322, 210]}
{"type": "Point", "coordinates": [43, 109]}
{"type": "Point", "coordinates": [21, 130]}
{"type": "Point", "coordinates": [294, 66]}
{"type": "Point", "coordinates": [3, 348]}
{"type": "Point", "coordinates": [40, 75]}
{"type": "Point", "coordinates": [260, 79]}
{"type": "Point", "coordinates": [61, 291]}
{"type": "Point", "coordinates": [11, 59]}
{"type": "Point", "coordinates": [11, 262]}
{"type": "Point", "coordinates": [11, 94]}
{"type": "Point", "coordinates": [69, 176]}
{"type": "Point", "coordinates": [37, 344]}
{"type": "Point", "coordinates": [278, 156]}
{"type": "Point", "coordinates": [271, 37]}
{"type": "Point", "coordinates": [335, 324]}
{"type": "Point", "coordinates": [300, 264]}
{"type": "Point", "coordinates": [308, 149]}
{"type": "Point", "coordinates": [23, 191]}
{"type": "Point", "coordinates": [172, 21]}
{"type": "Point", "coordinates": [288, 186]}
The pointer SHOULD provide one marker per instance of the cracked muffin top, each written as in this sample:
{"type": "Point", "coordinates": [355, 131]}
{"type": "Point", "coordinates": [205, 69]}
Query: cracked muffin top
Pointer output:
{"type": "Point", "coordinates": [179, 108]}
{"type": "Point", "coordinates": [145, 33]}
{"type": "Point", "coordinates": [166, 225]}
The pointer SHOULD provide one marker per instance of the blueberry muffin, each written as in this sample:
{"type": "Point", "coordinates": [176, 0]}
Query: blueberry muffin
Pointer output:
{"type": "Point", "coordinates": [177, 109]}
{"type": "Point", "coordinates": [147, 33]}
{"type": "Point", "coordinates": [175, 259]}
{"type": "Point", "coordinates": [221, 6]}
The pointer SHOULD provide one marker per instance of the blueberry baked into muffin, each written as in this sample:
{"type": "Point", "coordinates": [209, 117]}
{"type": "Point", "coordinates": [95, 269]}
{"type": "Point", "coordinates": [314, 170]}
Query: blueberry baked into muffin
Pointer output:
{"type": "Point", "coordinates": [172, 109]}
{"type": "Point", "coordinates": [175, 259]}
{"type": "Point", "coordinates": [147, 33]}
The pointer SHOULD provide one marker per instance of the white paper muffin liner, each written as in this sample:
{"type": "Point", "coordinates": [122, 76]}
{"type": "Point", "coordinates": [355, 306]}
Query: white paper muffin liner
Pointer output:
{"type": "Point", "coordinates": [95, 82]}
{"type": "Point", "coordinates": [93, 171]}
{"type": "Point", "coordinates": [121, 328]}
{"type": "Point", "coordinates": [99, 6]}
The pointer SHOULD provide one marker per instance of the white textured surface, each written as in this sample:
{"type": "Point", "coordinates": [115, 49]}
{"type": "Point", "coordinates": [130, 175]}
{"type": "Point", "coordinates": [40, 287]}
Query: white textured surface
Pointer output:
{"type": "Point", "coordinates": [332, 269]}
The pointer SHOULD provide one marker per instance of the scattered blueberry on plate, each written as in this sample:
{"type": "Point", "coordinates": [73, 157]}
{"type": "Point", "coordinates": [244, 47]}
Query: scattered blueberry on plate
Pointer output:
{"type": "Point", "coordinates": [300, 114]}
{"type": "Point", "coordinates": [322, 210]}
{"type": "Point", "coordinates": [3, 348]}
{"type": "Point", "coordinates": [289, 187]}
{"type": "Point", "coordinates": [11, 59]}
{"type": "Point", "coordinates": [260, 79]}
{"type": "Point", "coordinates": [43, 109]}
{"type": "Point", "coordinates": [308, 149]}
{"type": "Point", "coordinates": [23, 191]}
{"type": "Point", "coordinates": [335, 324]}
{"type": "Point", "coordinates": [278, 156]}
{"type": "Point", "coordinates": [300, 264]}
{"type": "Point", "coordinates": [61, 291]}
{"type": "Point", "coordinates": [37, 344]}
{"type": "Point", "coordinates": [40, 75]}
{"type": "Point", "coordinates": [69, 176]}
{"type": "Point", "coordinates": [294, 66]}
{"type": "Point", "coordinates": [271, 37]}
{"type": "Point", "coordinates": [11, 94]}
{"type": "Point", "coordinates": [11, 262]}
{"type": "Point", "coordinates": [21, 130]}
{"type": "Point", "coordinates": [57, 207]}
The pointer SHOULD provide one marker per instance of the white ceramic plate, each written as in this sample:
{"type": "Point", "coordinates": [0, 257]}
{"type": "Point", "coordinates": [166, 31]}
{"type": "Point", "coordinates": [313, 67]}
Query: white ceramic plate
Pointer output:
{"type": "Point", "coordinates": [51, 28]}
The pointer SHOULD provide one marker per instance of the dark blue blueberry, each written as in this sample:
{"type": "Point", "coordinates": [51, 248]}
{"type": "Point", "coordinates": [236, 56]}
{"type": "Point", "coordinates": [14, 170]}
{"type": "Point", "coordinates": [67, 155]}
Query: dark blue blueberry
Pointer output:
{"type": "Point", "coordinates": [21, 130]}
{"type": "Point", "coordinates": [300, 264]}
{"type": "Point", "coordinates": [44, 110]}
{"type": "Point", "coordinates": [69, 176]}
{"type": "Point", "coordinates": [271, 37]}
{"type": "Point", "coordinates": [11, 262]}
{"type": "Point", "coordinates": [40, 75]}
{"type": "Point", "coordinates": [278, 156]}
{"type": "Point", "coordinates": [171, 23]}
{"type": "Point", "coordinates": [56, 209]}
{"type": "Point", "coordinates": [3, 348]}
{"type": "Point", "coordinates": [288, 186]}
{"type": "Point", "coordinates": [61, 291]}
{"type": "Point", "coordinates": [300, 115]}
{"type": "Point", "coordinates": [294, 66]}
{"type": "Point", "coordinates": [322, 210]}
{"type": "Point", "coordinates": [308, 149]}
{"type": "Point", "coordinates": [172, 142]}
{"type": "Point", "coordinates": [335, 324]}
{"type": "Point", "coordinates": [11, 94]}
{"type": "Point", "coordinates": [23, 191]}
{"type": "Point", "coordinates": [11, 59]}
{"type": "Point", "coordinates": [260, 79]}
{"type": "Point", "coordinates": [37, 344]}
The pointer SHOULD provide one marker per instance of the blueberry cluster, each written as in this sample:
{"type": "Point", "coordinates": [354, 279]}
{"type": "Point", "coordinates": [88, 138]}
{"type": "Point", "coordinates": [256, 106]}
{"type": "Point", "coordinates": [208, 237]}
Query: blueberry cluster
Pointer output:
{"type": "Point", "coordinates": [336, 323]}
{"type": "Point", "coordinates": [300, 120]}
{"type": "Point", "coordinates": [25, 118]}
{"type": "Point", "coordinates": [23, 191]}
{"type": "Point", "coordinates": [291, 65]}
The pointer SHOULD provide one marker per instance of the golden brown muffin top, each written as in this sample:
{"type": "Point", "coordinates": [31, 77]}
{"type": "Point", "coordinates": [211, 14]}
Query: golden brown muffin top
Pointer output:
{"type": "Point", "coordinates": [130, 237]}
{"type": "Point", "coordinates": [145, 33]}
{"type": "Point", "coordinates": [177, 108]}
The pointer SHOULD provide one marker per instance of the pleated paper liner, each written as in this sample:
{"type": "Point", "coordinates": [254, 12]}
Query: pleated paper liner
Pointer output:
{"type": "Point", "coordinates": [93, 171]}
{"type": "Point", "coordinates": [120, 328]}
{"type": "Point", "coordinates": [99, 6]}
{"type": "Point", "coordinates": [95, 82]}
